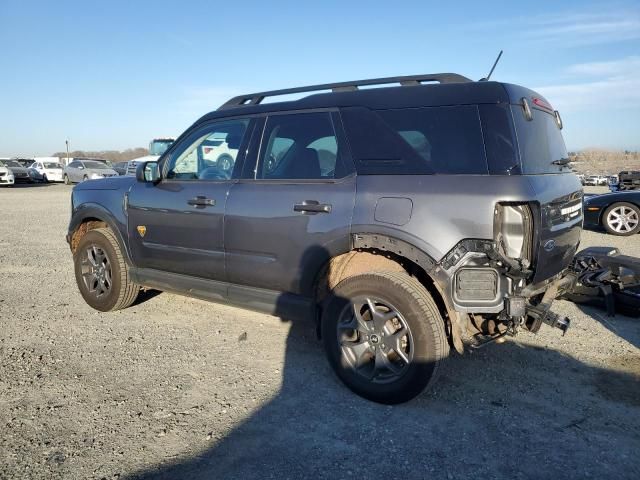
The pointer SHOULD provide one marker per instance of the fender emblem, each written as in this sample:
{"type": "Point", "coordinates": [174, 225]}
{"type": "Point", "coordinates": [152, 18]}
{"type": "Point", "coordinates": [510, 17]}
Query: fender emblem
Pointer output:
{"type": "Point", "coordinates": [141, 230]}
{"type": "Point", "coordinates": [549, 245]}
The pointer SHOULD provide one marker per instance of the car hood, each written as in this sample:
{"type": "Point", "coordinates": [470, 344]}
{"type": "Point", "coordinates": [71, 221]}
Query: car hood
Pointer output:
{"type": "Point", "coordinates": [18, 170]}
{"type": "Point", "coordinates": [4, 170]}
{"type": "Point", "coordinates": [100, 171]}
{"type": "Point", "coordinates": [118, 182]}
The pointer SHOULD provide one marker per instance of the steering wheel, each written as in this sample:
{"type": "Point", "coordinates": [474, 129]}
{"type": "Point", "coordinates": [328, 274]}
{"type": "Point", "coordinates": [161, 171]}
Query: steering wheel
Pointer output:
{"type": "Point", "coordinates": [212, 173]}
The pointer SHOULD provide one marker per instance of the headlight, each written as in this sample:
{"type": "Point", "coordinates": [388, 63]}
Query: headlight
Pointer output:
{"type": "Point", "coordinates": [513, 227]}
{"type": "Point", "coordinates": [95, 175]}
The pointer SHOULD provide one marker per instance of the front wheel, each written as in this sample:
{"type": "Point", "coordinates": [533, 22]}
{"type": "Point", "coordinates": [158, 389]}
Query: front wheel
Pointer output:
{"type": "Point", "coordinates": [384, 336]}
{"type": "Point", "coordinates": [622, 219]}
{"type": "Point", "coordinates": [101, 272]}
{"type": "Point", "coordinates": [45, 179]}
{"type": "Point", "coordinates": [66, 180]}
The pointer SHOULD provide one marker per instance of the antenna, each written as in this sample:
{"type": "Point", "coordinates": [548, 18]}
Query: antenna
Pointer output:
{"type": "Point", "coordinates": [486, 79]}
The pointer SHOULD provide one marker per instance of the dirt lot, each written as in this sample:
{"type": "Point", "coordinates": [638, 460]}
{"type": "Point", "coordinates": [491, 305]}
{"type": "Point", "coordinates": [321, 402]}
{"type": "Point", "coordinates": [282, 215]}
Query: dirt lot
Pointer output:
{"type": "Point", "coordinates": [180, 388]}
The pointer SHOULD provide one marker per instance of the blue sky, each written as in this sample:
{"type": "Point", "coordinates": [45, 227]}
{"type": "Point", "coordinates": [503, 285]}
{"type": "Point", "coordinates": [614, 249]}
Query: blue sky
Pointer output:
{"type": "Point", "coordinates": [112, 75]}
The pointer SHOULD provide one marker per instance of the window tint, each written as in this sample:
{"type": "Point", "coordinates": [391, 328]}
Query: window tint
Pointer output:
{"type": "Point", "coordinates": [499, 139]}
{"type": "Point", "coordinates": [540, 141]}
{"type": "Point", "coordinates": [447, 139]}
{"type": "Point", "coordinates": [210, 153]}
{"type": "Point", "coordinates": [300, 146]}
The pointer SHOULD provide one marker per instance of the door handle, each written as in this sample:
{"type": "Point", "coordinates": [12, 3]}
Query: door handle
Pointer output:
{"type": "Point", "coordinates": [202, 201]}
{"type": "Point", "coordinates": [312, 206]}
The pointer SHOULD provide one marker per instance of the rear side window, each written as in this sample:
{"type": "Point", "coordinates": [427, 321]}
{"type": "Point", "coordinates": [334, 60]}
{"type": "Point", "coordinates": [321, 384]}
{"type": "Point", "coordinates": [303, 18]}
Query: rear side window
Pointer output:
{"type": "Point", "coordinates": [540, 141]}
{"type": "Point", "coordinates": [300, 146]}
{"type": "Point", "coordinates": [440, 140]}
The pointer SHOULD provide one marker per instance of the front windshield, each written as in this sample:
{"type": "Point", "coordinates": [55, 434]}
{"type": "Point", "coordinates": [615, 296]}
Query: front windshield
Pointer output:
{"type": "Point", "coordinates": [52, 165]}
{"type": "Point", "coordinates": [12, 163]}
{"type": "Point", "coordinates": [158, 147]}
{"type": "Point", "coordinates": [96, 165]}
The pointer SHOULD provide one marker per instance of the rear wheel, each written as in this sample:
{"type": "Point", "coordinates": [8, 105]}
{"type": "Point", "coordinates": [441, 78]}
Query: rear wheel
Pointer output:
{"type": "Point", "coordinates": [622, 219]}
{"type": "Point", "coordinates": [66, 180]}
{"type": "Point", "coordinates": [101, 272]}
{"type": "Point", "coordinates": [384, 336]}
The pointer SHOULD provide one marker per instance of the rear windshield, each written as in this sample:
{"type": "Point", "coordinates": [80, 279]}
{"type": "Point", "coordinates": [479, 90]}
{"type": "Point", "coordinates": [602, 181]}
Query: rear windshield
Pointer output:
{"type": "Point", "coordinates": [96, 165]}
{"type": "Point", "coordinates": [540, 141]}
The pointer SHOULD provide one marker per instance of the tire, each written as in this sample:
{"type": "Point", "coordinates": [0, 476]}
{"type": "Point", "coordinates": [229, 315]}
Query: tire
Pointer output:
{"type": "Point", "coordinates": [85, 178]}
{"type": "Point", "coordinates": [414, 327]}
{"type": "Point", "coordinates": [100, 248]}
{"type": "Point", "coordinates": [45, 179]}
{"type": "Point", "coordinates": [622, 219]}
{"type": "Point", "coordinates": [66, 180]}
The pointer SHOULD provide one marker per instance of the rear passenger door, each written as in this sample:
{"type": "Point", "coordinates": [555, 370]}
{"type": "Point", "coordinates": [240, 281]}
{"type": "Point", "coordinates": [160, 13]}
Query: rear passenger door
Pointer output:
{"type": "Point", "coordinates": [292, 209]}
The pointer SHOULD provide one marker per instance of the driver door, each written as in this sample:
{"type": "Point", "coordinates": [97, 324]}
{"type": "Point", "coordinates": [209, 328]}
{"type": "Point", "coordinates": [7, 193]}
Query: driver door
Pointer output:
{"type": "Point", "coordinates": [176, 225]}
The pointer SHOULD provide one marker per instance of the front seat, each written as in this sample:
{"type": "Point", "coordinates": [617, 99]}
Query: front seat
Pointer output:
{"type": "Point", "coordinates": [304, 165]}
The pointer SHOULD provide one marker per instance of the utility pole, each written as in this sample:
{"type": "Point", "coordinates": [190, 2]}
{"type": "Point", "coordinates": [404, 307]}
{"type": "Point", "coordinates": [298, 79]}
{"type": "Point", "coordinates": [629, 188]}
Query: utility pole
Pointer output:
{"type": "Point", "coordinates": [67, 143]}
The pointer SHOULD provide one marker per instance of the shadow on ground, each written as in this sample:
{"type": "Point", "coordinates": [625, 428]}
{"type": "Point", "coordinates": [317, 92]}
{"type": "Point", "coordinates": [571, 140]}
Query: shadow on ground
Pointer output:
{"type": "Point", "coordinates": [507, 411]}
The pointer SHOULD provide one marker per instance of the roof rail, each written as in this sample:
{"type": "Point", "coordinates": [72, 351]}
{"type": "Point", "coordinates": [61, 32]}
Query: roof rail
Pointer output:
{"type": "Point", "coordinates": [256, 98]}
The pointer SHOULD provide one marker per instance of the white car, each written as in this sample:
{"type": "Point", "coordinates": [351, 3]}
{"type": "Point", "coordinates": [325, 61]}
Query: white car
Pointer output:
{"type": "Point", "coordinates": [50, 171]}
{"type": "Point", "coordinates": [6, 175]}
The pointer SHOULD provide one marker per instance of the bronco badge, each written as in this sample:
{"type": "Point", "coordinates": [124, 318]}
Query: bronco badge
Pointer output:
{"type": "Point", "coordinates": [142, 230]}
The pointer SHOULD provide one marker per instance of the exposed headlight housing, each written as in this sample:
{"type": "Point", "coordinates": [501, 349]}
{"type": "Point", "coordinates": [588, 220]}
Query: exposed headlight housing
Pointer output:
{"type": "Point", "coordinates": [513, 230]}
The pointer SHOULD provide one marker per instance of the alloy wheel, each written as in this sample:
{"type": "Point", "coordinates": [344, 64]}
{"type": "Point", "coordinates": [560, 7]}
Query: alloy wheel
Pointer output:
{"type": "Point", "coordinates": [96, 271]}
{"type": "Point", "coordinates": [375, 339]}
{"type": "Point", "coordinates": [623, 219]}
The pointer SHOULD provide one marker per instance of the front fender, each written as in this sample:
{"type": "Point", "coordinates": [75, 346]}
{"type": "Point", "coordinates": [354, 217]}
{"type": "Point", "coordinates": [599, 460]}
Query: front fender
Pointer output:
{"type": "Point", "coordinates": [93, 211]}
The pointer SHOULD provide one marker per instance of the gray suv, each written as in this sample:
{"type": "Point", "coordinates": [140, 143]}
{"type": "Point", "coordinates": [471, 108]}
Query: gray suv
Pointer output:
{"type": "Point", "coordinates": [398, 217]}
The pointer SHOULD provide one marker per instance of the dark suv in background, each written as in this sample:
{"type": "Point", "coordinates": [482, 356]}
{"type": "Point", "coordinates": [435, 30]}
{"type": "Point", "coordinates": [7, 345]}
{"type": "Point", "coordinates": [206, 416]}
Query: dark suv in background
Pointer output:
{"type": "Point", "coordinates": [399, 217]}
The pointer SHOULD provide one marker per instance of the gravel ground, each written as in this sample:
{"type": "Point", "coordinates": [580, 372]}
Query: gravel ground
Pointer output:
{"type": "Point", "coordinates": [180, 388]}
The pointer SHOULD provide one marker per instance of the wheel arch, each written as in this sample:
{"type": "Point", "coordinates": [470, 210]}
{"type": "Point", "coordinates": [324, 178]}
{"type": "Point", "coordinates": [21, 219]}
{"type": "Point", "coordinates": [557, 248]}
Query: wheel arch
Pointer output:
{"type": "Point", "coordinates": [370, 252]}
{"type": "Point", "coordinates": [89, 217]}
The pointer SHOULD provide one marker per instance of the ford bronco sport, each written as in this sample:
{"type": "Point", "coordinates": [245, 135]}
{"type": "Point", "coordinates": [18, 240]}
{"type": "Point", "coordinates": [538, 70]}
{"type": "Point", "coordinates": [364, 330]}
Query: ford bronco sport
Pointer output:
{"type": "Point", "coordinates": [400, 217]}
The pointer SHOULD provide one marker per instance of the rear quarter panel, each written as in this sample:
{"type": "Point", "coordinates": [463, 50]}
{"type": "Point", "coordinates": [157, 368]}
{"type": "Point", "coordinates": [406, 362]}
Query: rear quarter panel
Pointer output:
{"type": "Point", "coordinates": [449, 208]}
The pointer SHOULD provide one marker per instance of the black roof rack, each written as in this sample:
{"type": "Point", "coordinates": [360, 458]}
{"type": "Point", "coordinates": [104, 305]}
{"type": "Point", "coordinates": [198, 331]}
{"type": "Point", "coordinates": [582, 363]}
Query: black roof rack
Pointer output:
{"type": "Point", "coordinates": [256, 98]}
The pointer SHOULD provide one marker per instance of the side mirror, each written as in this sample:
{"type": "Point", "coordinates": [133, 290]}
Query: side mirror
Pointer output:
{"type": "Point", "coordinates": [148, 172]}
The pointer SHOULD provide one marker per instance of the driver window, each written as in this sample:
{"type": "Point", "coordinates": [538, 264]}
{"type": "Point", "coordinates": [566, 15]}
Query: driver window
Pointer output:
{"type": "Point", "coordinates": [210, 154]}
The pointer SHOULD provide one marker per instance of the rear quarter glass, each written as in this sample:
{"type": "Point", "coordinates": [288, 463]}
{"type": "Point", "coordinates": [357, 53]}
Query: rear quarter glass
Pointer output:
{"type": "Point", "coordinates": [426, 140]}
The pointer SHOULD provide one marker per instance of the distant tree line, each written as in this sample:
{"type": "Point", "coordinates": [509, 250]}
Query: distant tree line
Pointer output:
{"type": "Point", "coordinates": [113, 155]}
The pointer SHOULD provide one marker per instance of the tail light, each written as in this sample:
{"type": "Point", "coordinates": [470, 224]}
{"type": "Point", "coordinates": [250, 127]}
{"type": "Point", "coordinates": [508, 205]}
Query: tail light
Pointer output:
{"type": "Point", "coordinates": [513, 230]}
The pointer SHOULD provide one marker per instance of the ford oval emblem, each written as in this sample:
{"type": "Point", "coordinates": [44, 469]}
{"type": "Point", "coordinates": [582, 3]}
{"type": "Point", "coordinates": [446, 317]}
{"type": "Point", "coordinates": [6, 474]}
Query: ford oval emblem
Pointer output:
{"type": "Point", "coordinates": [549, 245]}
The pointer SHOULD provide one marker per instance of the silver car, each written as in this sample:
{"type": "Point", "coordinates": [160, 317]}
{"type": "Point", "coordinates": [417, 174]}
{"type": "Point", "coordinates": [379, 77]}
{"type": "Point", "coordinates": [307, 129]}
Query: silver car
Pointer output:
{"type": "Point", "coordinates": [82, 170]}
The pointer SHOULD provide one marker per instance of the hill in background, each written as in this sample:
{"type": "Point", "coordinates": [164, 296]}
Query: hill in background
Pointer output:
{"type": "Point", "coordinates": [601, 161]}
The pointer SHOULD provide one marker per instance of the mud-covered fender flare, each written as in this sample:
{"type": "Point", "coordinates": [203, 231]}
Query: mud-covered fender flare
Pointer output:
{"type": "Point", "coordinates": [389, 243]}
{"type": "Point", "coordinates": [94, 211]}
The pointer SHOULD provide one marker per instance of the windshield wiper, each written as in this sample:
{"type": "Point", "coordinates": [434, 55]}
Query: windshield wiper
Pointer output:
{"type": "Point", "coordinates": [562, 161]}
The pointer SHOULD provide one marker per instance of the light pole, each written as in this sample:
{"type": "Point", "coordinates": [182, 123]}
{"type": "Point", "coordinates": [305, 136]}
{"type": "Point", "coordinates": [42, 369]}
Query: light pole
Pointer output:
{"type": "Point", "coordinates": [67, 143]}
